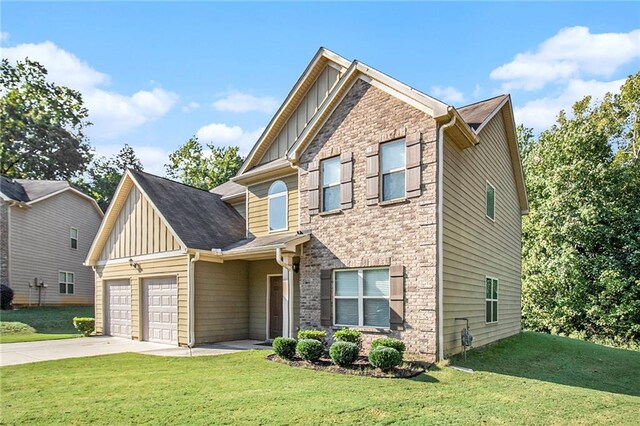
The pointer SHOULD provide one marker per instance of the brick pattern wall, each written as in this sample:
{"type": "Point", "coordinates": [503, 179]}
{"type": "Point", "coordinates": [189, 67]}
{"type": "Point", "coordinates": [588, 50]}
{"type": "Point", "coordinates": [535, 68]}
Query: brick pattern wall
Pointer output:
{"type": "Point", "coordinates": [4, 243]}
{"type": "Point", "coordinates": [402, 233]}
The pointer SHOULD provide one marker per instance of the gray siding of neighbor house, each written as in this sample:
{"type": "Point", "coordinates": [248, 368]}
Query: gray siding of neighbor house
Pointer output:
{"type": "Point", "coordinates": [40, 247]}
{"type": "Point", "coordinates": [4, 243]}
{"type": "Point", "coordinates": [475, 246]}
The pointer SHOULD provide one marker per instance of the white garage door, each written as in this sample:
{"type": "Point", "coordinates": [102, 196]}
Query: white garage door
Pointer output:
{"type": "Point", "coordinates": [118, 308]}
{"type": "Point", "coordinates": [161, 310]}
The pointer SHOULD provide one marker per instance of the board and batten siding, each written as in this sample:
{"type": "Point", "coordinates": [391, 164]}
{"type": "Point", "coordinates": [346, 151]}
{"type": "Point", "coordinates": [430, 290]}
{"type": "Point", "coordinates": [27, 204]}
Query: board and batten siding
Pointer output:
{"type": "Point", "coordinates": [308, 107]}
{"type": "Point", "coordinates": [176, 266]}
{"type": "Point", "coordinates": [40, 247]}
{"type": "Point", "coordinates": [476, 247]}
{"type": "Point", "coordinates": [138, 230]}
{"type": "Point", "coordinates": [258, 215]}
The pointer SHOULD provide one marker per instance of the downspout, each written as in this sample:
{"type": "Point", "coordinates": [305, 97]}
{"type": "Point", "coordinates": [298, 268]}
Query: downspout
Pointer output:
{"type": "Point", "coordinates": [192, 299]}
{"type": "Point", "coordinates": [289, 269]}
{"type": "Point", "coordinates": [439, 243]}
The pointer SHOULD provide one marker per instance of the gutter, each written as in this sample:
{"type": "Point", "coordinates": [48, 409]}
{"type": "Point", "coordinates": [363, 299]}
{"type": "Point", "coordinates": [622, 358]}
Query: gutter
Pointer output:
{"type": "Point", "coordinates": [192, 299]}
{"type": "Point", "coordinates": [439, 233]}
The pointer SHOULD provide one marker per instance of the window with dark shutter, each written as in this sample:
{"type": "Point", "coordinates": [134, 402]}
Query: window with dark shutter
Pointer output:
{"type": "Point", "coordinates": [314, 188]}
{"type": "Point", "coordinates": [325, 298]}
{"type": "Point", "coordinates": [414, 163]}
{"type": "Point", "coordinates": [396, 297]}
{"type": "Point", "coordinates": [372, 174]}
{"type": "Point", "coordinates": [346, 180]}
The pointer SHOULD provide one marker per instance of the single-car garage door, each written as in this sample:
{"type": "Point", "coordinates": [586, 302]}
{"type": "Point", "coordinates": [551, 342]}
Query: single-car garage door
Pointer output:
{"type": "Point", "coordinates": [161, 310]}
{"type": "Point", "coordinates": [118, 308]}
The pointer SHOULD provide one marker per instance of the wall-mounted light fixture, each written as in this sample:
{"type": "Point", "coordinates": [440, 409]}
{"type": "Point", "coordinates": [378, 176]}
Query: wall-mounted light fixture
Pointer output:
{"type": "Point", "coordinates": [133, 264]}
{"type": "Point", "coordinates": [296, 267]}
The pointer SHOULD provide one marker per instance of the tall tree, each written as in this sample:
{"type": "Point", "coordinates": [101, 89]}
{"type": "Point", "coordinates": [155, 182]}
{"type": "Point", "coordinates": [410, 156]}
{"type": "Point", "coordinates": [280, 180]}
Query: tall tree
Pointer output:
{"type": "Point", "coordinates": [42, 125]}
{"type": "Point", "coordinates": [581, 239]}
{"type": "Point", "coordinates": [104, 174]}
{"type": "Point", "coordinates": [205, 169]}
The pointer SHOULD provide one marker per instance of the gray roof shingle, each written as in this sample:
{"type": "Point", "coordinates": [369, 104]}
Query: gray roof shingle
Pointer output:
{"type": "Point", "coordinates": [229, 188]}
{"type": "Point", "coordinates": [26, 190]}
{"type": "Point", "coordinates": [475, 114]}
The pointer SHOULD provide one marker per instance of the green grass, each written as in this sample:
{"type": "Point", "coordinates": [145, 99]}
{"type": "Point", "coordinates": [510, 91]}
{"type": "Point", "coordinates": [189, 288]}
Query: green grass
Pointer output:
{"type": "Point", "coordinates": [50, 322]}
{"type": "Point", "coordinates": [529, 379]}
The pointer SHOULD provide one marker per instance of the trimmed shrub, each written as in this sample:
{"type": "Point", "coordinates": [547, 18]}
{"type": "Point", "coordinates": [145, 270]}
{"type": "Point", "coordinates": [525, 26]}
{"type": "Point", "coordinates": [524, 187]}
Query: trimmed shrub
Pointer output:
{"type": "Point", "coordinates": [86, 326]}
{"type": "Point", "coordinates": [348, 335]}
{"type": "Point", "coordinates": [388, 342]}
{"type": "Point", "coordinates": [6, 297]}
{"type": "Point", "coordinates": [385, 358]}
{"type": "Point", "coordinates": [318, 335]}
{"type": "Point", "coordinates": [284, 347]}
{"type": "Point", "coordinates": [16, 328]}
{"type": "Point", "coordinates": [343, 353]}
{"type": "Point", "coordinates": [309, 350]}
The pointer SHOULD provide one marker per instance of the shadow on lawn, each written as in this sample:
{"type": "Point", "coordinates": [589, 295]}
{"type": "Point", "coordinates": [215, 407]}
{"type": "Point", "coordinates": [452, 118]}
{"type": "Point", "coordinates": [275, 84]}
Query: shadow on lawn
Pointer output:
{"type": "Point", "coordinates": [559, 360]}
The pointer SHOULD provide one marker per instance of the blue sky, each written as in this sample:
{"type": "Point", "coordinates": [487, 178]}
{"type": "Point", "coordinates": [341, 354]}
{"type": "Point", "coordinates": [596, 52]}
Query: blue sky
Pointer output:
{"type": "Point", "coordinates": [153, 74]}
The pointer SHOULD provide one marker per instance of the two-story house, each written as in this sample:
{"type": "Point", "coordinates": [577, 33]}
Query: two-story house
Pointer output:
{"type": "Point", "coordinates": [365, 204]}
{"type": "Point", "coordinates": [46, 229]}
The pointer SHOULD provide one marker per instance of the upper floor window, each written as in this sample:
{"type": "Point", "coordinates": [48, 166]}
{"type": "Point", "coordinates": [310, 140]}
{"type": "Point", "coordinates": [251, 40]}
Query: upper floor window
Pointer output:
{"type": "Point", "coordinates": [393, 165]}
{"type": "Point", "coordinates": [361, 297]}
{"type": "Point", "coordinates": [491, 201]}
{"type": "Point", "coordinates": [66, 281]}
{"type": "Point", "coordinates": [74, 238]}
{"type": "Point", "coordinates": [277, 206]}
{"type": "Point", "coordinates": [330, 169]}
{"type": "Point", "coordinates": [491, 298]}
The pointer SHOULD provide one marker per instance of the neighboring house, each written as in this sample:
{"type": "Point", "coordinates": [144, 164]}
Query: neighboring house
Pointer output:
{"type": "Point", "coordinates": [364, 204]}
{"type": "Point", "coordinates": [46, 229]}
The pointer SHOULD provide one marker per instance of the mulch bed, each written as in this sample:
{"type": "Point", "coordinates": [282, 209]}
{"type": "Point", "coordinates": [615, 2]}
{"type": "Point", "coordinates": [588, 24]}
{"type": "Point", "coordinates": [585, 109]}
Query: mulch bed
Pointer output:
{"type": "Point", "coordinates": [361, 367]}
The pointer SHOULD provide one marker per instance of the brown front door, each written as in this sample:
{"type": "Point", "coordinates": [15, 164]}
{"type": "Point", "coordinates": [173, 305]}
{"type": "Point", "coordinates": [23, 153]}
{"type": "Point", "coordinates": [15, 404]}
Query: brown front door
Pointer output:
{"type": "Point", "coordinates": [275, 307]}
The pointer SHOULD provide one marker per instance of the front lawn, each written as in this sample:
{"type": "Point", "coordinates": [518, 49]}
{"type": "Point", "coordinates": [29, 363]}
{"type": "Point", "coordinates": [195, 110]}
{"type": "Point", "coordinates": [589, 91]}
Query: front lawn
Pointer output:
{"type": "Point", "coordinates": [49, 322]}
{"type": "Point", "coordinates": [532, 378]}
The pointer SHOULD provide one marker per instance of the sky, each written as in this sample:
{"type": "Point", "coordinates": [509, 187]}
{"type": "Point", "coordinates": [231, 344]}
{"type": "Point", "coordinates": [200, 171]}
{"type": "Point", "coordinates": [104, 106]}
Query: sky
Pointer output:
{"type": "Point", "coordinates": [153, 74]}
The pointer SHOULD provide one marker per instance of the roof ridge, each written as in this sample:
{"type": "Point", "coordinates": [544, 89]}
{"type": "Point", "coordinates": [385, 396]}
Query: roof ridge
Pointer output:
{"type": "Point", "coordinates": [169, 180]}
{"type": "Point", "coordinates": [484, 100]}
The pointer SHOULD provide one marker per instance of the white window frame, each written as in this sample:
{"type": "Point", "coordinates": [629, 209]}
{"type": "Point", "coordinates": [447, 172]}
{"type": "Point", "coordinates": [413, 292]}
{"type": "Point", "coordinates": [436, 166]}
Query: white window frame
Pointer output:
{"type": "Point", "coordinates": [73, 238]}
{"type": "Point", "coordinates": [286, 206]}
{"type": "Point", "coordinates": [399, 169]}
{"type": "Point", "coordinates": [360, 296]}
{"type": "Point", "coordinates": [486, 201]}
{"type": "Point", "coordinates": [497, 283]}
{"type": "Point", "coordinates": [66, 282]}
{"type": "Point", "coordinates": [322, 186]}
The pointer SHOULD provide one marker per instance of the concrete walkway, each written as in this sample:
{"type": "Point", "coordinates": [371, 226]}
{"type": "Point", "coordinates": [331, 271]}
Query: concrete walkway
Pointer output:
{"type": "Point", "coordinates": [23, 353]}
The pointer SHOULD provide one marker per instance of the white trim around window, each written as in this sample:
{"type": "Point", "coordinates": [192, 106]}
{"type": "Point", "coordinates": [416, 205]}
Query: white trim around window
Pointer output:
{"type": "Point", "coordinates": [276, 196]}
{"type": "Point", "coordinates": [360, 298]}
{"type": "Point", "coordinates": [393, 171]}
{"type": "Point", "coordinates": [335, 184]}
{"type": "Point", "coordinates": [66, 282]}
{"type": "Point", "coordinates": [73, 235]}
{"type": "Point", "coordinates": [493, 201]}
{"type": "Point", "coordinates": [491, 288]}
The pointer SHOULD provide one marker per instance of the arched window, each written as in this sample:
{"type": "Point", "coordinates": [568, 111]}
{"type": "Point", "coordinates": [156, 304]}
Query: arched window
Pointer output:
{"type": "Point", "coordinates": [277, 206]}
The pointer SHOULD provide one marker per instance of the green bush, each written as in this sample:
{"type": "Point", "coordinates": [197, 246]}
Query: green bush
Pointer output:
{"type": "Point", "coordinates": [15, 328]}
{"type": "Point", "coordinates": [388, 342]}
{"type": "Point", "coordinates": [309, 350]}
{"type": "Point", "coordinates": [318, 335]}
{"type": "Point", "coordinates": [343, 353]}
{"type": "Point", "coordinates": [85, 326]}
{"type": "Point", "coordinates": [284, 347]}
{"type": "Point", "coordinates": [348, 335]}
{"type": "Point", "coordinates": [385, 358]}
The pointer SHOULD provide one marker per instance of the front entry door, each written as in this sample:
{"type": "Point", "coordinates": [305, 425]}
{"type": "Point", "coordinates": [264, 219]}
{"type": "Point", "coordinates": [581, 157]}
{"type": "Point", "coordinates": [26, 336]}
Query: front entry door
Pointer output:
{"type": "Point", "coordinates": [275, 307]}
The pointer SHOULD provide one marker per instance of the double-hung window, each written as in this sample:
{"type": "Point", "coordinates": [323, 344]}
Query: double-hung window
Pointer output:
{"type": "Point", "coordinates": [393, 167]}
{"type": "Point", "coordinates": [330, 169]}
{"type": "Point", "coordinates": [74, 238]}
{"type": "Point", "coordinates": [491, 297]}
{"type": "Point", "coordinates": [491, 202]}
{"type": "Point", "coordinates": [277, 201]}
{"type": "Point", "coordinates": [361, 297]}
{"type": "Point", "coordinates": [66, 281]}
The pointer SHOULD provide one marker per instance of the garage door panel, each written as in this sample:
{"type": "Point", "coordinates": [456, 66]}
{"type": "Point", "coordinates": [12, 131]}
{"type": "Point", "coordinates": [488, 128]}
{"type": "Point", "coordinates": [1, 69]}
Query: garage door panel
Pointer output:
{"type": "Point", "coordinates": [161, 310]}
{"type": "Point", "coordinates": [119, 308]}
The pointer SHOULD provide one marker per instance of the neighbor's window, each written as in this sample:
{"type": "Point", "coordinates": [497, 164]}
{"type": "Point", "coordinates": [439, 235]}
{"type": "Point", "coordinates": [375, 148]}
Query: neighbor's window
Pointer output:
{"type": "Point", "coordinates": [74, 238]}
{"type": "Point", "coordinates": [491, 296]}
{"type": "Point", "coordinates": [330, 169]}
{"type": "Point", "coordinates": [392, 163]}
{"type": "Point", "coordinates": [491, 201]}
{"type": "Point", "coordinates": [66, 280]}
{"type": "Point", "coordinates": [361, 297]}
{"type": "Point", "coordinates": [277, 206]}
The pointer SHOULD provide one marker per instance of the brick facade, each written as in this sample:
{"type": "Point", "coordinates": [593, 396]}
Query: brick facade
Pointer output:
{"type": "Point", "coordinates": [396, 234]}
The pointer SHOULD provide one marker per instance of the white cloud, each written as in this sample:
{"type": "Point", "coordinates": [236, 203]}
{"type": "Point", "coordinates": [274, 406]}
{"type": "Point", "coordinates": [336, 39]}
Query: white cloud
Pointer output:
{"type": "Point", "coordinates": [244, 102]}
{"type": "Point", "coordinates": [477, 91]}
{"type": "Point", "coordinates": [570, 54]}
{"type": "Point", "coordinates": [190, 106]}
{"type": "Point", "coordinates": [153, 158]}
{"type": "Point", "coordinates": [112, 114]}
{"type": "Point", "coordinates": [448, 94]}
{"type": "Point", "coordinates": [222, 135]}
{"type": "Point", "coordinates": [542, 113]}
{"type": "Point", "coordinates": [4, 36]}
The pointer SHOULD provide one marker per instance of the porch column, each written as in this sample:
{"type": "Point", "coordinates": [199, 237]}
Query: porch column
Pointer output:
{"type": "Point", "coordinates": [287, 297]}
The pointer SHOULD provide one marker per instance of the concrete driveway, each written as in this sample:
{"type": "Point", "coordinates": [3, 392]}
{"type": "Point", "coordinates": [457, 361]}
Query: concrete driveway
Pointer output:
{"type": "Point", "coordinates": [23, 353]}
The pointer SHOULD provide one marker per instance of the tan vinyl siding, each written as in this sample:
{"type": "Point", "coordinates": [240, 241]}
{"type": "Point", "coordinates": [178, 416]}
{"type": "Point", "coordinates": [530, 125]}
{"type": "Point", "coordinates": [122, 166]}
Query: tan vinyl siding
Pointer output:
{"type": "Point", "coordinates": [258, 271]}
{"type": "Point", "coordinates": [40, 247]}
{"type": "Point", "coordinates": [258, 215]}
{"type": "Point", "coordinates": [168, 267]}
{"type": "Point", "coordinates": [476, 247]}
{"type": "Point", "coordinates": [221, 301]}
{"type": "Point", "coordinates": [307, 108]}
{"type": "Point", "coordinates": [138, 230]}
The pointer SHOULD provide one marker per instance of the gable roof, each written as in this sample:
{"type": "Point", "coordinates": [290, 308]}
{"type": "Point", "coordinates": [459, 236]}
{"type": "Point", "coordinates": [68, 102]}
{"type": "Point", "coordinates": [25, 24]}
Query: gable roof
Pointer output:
{"type": "Point", "coordinates": [30, 191]}
{"type": "Point", "coordinates": [229, 189]}
{"type": "Point", "coordinates": [478, 113]}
